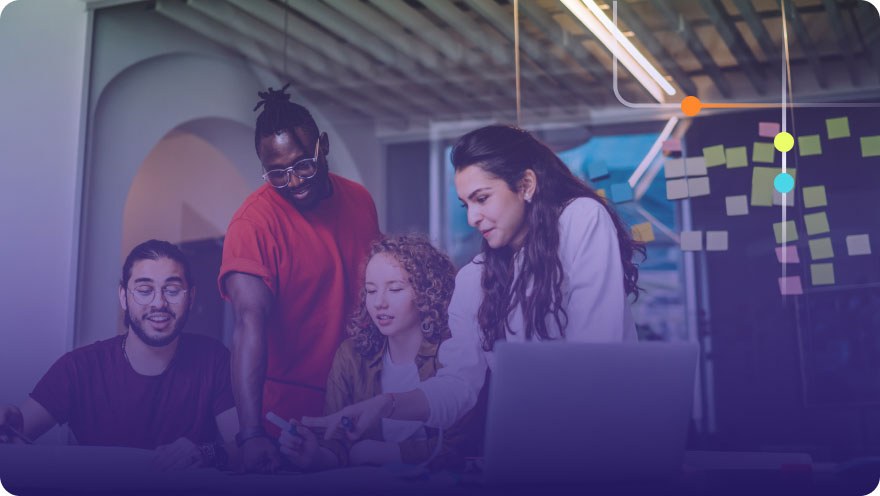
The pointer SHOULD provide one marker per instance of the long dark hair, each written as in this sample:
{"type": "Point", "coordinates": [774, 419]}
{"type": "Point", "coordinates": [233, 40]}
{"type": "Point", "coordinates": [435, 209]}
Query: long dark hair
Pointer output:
{"type": "Point", "coordinates": [506, 152]}
{"type": "Point", "coordinates": [432, 276]}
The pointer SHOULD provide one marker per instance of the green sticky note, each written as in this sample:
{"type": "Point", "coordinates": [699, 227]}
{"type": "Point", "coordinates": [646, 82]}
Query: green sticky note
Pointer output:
{"type": "Point", "coordinates": [809, 145]}
{"type": "Point", "coordinates": [762, 184]}
{"type": "Point", "coordinates": [822, 273]}
{"type": "Point", "coordinates": [790, 232]}
{"type": "Point", "coordinates": [814, 196]}
{"type": "Point", "coordinates": [763, 152]}
{"type": "Point", "coordinates": [714, 155]}
{"type": "Point", "coordinates": [821, 248]}
{"type": "Point", "coordinates": [737, 157]}
{"type": "Point", "coordinates": [871, 146]}
{"type": "Point", "coordinates": [837, 128]}
{"type": "Point", "coordinates": [816, 223]}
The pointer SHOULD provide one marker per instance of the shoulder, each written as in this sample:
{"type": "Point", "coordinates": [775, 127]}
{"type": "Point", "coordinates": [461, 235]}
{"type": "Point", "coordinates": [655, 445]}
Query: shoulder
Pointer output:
{"type": "Point", "coordinates": [582, 209]}
{"type": "Point", "coordinates": [257, 206]}
{"type": "Point", "coordinates": [347, 355]}
{"type": "Point", "coordinates": [97, 349]}
{"type": "Point", "coordinates": [472, 272]}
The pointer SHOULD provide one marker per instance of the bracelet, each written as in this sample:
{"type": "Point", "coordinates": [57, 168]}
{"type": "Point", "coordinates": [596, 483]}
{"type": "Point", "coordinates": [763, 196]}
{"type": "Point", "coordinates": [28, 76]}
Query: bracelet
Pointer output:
{"type": "Point", "coordinates": [246, 435]}
{"type": "Point", "coordinates": [214, 455]}
{"type": "Point", "coordinates": [393, 405]}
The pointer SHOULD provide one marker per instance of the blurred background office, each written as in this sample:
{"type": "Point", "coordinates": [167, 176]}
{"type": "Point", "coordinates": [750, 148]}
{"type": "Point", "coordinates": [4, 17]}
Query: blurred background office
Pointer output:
{"type": "Point", "coordinates": [126, 120]}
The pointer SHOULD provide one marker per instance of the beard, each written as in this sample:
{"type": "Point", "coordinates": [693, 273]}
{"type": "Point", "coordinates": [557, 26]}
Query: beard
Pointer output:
{"type": "Point", "coordinates": [137, 325]}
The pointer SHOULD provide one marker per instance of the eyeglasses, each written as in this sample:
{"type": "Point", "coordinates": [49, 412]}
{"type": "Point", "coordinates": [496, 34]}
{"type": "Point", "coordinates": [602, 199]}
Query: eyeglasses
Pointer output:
{"type": "Point", "coordinates": [304, 169]}
{"type": "Point", "coordinates": [145, 295]}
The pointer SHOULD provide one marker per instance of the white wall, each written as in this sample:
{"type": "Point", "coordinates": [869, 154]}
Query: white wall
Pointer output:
{"type": "Point", "coordinates": [42, 56]}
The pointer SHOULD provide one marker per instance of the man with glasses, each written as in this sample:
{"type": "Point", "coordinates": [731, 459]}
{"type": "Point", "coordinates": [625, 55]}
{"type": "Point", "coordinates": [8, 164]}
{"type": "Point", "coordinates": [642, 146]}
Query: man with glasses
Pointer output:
{"type": "Point", "coordinates": [152, 387]}
{"type": "Point", "coordinates": [291, 262]}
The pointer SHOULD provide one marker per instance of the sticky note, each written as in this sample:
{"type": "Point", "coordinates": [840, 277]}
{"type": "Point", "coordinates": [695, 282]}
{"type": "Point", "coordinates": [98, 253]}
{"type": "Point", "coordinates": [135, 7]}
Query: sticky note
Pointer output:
{"type": "Point", "coordinates": [736, 157]}
{"type": "Point", "coordinates": [768, 129]}
{"type": "Point", "coordinates": [691, 240]}
{"type": "Point", "coordinates": [737, 205]}
{"type": "Point", "coordinates": [672, 145]}
{"type": "Point", "coordinates": [762, 185]}
{"type": "Point", "coordinates": [714, 155]}
{"type": "Point", "coordinates": [763, 152]}
{"type": "Point", "coordinates": [822, 274]}
{"type": "Point", "coordinates": [837, 128]}
{"type": "Point", "coordinates": [787, 255]}
{"type": "Point", "coordinates": [716, 240]}
{"type": "Point", "coordinates": [676, 189]}
{"type": "Point", "coordinates": [790, 232]}
{"type": "Point", "coordinates": [821, 248]}
{"type": "Point", "coordinates": [814, 196]}
{"type": "Point", "coordinates": [809, 145]}
{"type": "Point", "coordinates": [791, 285]}
{"type": "Point", "coordinates": [643, 232]}
{"type": "Point", "coordinates": [698, 186]}
{"type": "Point", "coordinates": [597, 170]}
{"type": "Point", "coordinates": [870, 146]}
{"type": "Point", "coordinates": [695, 166]}
{"type": "Point", "coordinates": [858, 244]}
{"type": "Point", "coordinates": [777, 198]}
{"type": "Point", "coordinates": [673, 168]}
{"type": "Point", "coordinates": [601, 193]}
{"type": "Point", "coordinates": [621, 192]}
{"type": "Point", "coordinates": [816, 223]}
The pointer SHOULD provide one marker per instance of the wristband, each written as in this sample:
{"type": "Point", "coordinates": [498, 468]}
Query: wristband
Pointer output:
{"type": "Point", "coordinates": [246, 435]}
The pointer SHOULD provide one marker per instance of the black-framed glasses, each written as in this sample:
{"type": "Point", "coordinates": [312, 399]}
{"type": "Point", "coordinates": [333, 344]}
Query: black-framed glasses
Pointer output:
{"type": "Point", "coordinates": [145, 294]}
{"type": "Point", "coordinates": [304, 169]}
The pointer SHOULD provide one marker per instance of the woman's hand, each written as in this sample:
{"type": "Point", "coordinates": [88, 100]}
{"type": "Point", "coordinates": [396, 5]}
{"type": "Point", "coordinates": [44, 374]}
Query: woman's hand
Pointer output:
{"type": "Point", "coordinates": [300, 447]}
{"type": "Point", "coordinates": [363, 416]}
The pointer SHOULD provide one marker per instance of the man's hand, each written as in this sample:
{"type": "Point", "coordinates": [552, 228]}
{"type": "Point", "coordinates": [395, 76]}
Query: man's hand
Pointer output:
{"type": "Point", "coordinates": [259, 454]}
{"type": "Point", "coordinates": [11, 422]}
{"type": "Point", "coordinates": [300, 448]}
{"type": "Point", "coordinates": [179, 455]}
{"type": "Point", "coordinates": [364, 416]}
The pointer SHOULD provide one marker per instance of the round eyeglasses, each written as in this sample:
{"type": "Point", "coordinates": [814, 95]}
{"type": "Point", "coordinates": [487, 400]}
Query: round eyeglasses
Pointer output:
{"type": "Point", "coordinates": [304, 169]}
{"type": "Point", "coordinates": [145, 295]}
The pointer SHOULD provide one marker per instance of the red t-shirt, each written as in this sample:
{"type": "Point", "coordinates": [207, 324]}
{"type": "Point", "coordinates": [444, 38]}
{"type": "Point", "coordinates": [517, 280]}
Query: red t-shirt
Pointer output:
{"type": "Point", "coordinates": [311, 262]}
{"type": "Point", "coordinates": [107, 403]}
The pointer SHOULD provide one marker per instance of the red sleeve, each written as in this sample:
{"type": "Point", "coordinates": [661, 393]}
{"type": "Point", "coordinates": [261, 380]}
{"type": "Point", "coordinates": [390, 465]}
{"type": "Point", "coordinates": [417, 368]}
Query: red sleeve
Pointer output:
{"type": "Point", "coordinates": [251, 250]}
{"type": "Point", "coordinates": [56, 390]}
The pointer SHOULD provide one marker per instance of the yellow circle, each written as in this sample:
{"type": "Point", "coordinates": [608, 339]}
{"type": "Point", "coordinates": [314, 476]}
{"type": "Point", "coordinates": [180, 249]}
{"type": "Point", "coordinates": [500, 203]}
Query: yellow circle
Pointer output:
{"type": "Point", "coordinates": [783, 142]}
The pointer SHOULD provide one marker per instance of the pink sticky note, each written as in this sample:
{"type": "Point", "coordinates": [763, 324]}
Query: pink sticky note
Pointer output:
{"type": "Point", "coordinates": [791, 254]}
{"type": "Point", "coordinates": [768, 129]}
{"type": "Point", "coordinates": [672, 145]}
{"type": "Point", "coordinates": [791, 285]}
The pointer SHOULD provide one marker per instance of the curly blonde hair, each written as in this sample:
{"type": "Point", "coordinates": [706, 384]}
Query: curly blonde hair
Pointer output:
{"type": "Point", "coordinates": [432, 276]}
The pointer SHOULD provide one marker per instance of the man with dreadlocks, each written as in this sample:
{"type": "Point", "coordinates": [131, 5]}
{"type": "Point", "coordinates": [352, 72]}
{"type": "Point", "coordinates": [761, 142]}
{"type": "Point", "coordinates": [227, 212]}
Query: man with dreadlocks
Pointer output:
{"type": "Point", "coordinates": [290, 268]}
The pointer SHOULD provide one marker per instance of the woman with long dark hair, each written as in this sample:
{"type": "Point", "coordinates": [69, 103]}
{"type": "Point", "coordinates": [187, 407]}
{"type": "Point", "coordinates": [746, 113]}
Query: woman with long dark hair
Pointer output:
{"type": "Point", "coordinates": [557, 263]}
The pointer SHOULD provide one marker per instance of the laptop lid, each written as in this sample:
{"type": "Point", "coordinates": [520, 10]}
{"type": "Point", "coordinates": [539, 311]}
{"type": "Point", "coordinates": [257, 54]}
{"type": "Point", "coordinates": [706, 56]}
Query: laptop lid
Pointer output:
{"type": "Point", "coordinates": [566, 413]}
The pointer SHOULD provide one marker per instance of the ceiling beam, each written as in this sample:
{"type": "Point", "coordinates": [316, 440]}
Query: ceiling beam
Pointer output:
{"type": "Point", "coordinates": [656, 49]}
{"type": "Point", "coordinates": [736, 44]}
{"type": "Point", "coordinates": [843, 41]}
{"type": "Point", "coordinates": [805, 41]}
{"type": "Point", "coordinates": [696, 47]}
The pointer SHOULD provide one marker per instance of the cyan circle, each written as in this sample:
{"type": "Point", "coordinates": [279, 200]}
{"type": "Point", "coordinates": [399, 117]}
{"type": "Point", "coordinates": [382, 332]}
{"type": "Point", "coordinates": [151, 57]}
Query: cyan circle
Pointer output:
{"type": "Point", "coordinates": [783, 183]}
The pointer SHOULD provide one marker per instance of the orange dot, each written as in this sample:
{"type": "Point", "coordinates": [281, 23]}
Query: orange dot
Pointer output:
{"type": "Point", "coordinates": [691, 106]}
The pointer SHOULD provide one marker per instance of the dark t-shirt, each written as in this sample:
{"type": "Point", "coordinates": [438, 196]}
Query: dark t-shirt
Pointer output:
{"type": "Point", "coordinates": [107, 403]}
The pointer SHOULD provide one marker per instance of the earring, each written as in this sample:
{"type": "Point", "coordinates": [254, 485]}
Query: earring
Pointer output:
{"type": "Point", "coordinates": [528, 199]}
{"type": "Point", "coordinates": [426, 328]}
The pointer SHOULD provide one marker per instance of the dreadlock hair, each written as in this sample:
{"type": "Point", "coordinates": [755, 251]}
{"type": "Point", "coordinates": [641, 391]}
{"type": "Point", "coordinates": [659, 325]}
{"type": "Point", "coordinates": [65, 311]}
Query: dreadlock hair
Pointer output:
{"type": "Point", "coordinates": [506, 152]}
{"type": "Point", "coordinates": [280, 114]}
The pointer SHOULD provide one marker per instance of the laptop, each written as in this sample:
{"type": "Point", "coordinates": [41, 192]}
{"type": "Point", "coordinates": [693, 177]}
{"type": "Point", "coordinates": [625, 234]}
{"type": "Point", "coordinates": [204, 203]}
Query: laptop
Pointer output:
{"type": "Point", "coordinates": [571, 413]}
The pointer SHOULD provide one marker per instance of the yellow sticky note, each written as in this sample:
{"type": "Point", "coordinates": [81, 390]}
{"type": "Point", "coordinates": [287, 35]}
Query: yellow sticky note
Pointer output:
{"type": "Point", "coordinates": [816, 223]}
{"type": "Point", "coordinates": [714, 155]}
{"type": "Point", "coordinates": [736, 157]}
{"type": "Point", "coordinates": [762, 184]}
{"type": "Point", "coordinates": [837, 128]}
{"type": "Point", "coordinates": [763, 152]}
{"type": "Point", "coordinates": [643, 232]}
{"type": "Point", "coordinates": [822, 274]}
{"type": "Point", "coordinates": [821, 248]}
{"type": "Point", "coordinates": [600, 192]}
{"type": "Point", "coordinates": [809, 145]}
{"type": "Point", "coordinates": [870, 146]}
{"type": "Point", "coordinates": [814, 196]}
{"type": "Point", "coordinates": [790, 232]}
